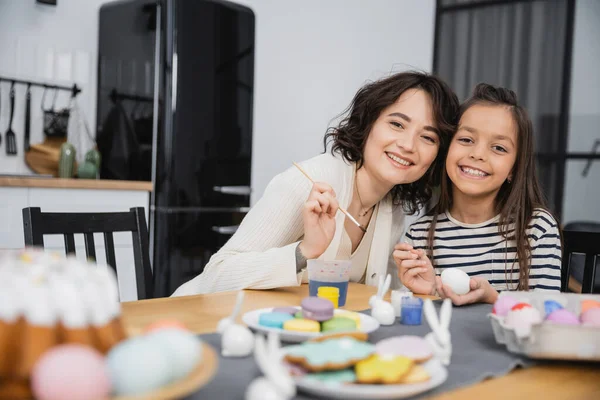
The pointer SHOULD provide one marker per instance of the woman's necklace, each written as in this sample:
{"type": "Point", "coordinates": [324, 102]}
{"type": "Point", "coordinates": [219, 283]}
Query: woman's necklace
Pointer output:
{"type": "Point", "coordinates": [362, 207]}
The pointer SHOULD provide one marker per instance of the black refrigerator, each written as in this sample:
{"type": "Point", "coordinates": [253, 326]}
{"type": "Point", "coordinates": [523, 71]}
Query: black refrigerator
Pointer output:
{"type": "Point", "coordinates": [175, 90]}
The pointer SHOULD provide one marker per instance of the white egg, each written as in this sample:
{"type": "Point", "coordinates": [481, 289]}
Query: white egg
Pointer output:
{"type": "Point", "coordinates": [137, 366]}
{"type": "Point", "coordinates": [183, 348]}
{"type": "Point", "coordinates": [457, 279]}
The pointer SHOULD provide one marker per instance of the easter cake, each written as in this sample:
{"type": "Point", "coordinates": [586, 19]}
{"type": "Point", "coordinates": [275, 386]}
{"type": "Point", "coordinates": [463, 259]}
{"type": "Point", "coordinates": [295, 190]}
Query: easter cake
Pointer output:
{"type": "Point", "coordinates": [47, 300]}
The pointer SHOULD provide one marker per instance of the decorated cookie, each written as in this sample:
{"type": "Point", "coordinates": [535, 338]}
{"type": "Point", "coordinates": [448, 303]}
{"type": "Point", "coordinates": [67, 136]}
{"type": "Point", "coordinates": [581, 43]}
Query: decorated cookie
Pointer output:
{"type": "Point", "coordinates": [302, 325]}
{"type": "Point", "coordinates": [341, 376]}
{"type": "Point", "coordinates": [298, 314]}
{"type": "Point", "coordinates": [337, 324]}
{"type": "Point", "coordinates": [361, 336]}
{"type": "Point", "coordinates": [383, 369]}
{"type": "Point", "coordinates": [273, 319]}
{"type": "Point", "coordinates": [349, 314]}
{"type": "Point", "coordinates": [285, 310]}
{"type": "Point", "coordinates": [417, 374]}
{"type": "Point", "coordinates": [317, 309]}
{"type": "Point", "coordinates": [414, 347]}
{"type": "Point", "coordinates": [333, 354]}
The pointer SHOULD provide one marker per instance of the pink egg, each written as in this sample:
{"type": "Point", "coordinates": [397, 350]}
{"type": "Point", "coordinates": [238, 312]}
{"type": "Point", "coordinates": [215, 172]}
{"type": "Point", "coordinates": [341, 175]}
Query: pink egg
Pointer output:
{"type": "Point", "coordinates": [563, 316]}
{"type": "Point", "coordinates": [70, 372]}
{"type": "Point", "coordinates": [503, 305]}
{"type": "Point", "coordinates": [166, 324]}
{"type": "Point", "coordinates": [591, 317]}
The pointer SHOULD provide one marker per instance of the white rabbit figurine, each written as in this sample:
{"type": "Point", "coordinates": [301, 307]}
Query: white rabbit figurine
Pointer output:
{"type": "Point", "coordinates": [236, 340]}
{"type": "Point", "coordinates": [381, 310]}
{"type": "Point", "coordinates": [276, 384]}
{"type": "Point", "coordinates": [439, 337]}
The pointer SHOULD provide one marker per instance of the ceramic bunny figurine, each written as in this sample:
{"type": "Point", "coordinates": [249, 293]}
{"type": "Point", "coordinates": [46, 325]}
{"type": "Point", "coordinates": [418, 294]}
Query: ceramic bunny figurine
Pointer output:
{"type": "Point", "coordinates": [236, 340]}
{"type": "Point", "coordinates": [439, 337]}
{"type": "Point", "coordinates": [276, 384]}
{"type": "Point", "coordinates": [381, 310]}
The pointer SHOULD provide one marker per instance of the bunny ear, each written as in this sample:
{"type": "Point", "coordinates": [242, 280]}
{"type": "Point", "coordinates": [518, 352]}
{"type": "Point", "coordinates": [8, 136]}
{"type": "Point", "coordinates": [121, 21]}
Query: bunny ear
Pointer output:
{"type": "Point", "coordinates": [238, 304]}
{"type": "Point", "coordinates": [431, 317]}
{"type": "Point", "coordinates": [386, 285]}
{"type": "Point", "coordinates": [446, 314]}
{"type": "Point", "coordinates": [274, 370]}
{"type": "Point", "coordinates": [260, 353]}
{"type": "Point", "coordinates": [273, 344]}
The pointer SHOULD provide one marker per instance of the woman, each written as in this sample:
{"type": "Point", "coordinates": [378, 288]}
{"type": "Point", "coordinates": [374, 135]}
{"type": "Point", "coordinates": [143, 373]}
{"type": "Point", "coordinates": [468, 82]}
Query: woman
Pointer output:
{"type": "Point", "coordinates": [385, 159]}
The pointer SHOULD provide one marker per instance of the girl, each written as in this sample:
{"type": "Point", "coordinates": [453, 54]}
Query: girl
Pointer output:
{"type": "Point", "coordinates": [386, 157]}
{"type": "Point", "coordinates": [491, 220]}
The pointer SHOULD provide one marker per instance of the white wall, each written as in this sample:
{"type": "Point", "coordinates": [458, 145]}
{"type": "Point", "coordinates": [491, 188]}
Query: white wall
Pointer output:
{"type": "Point", "coordinates": [311, 57]}
{"type": "Point", "coordinates": [49, 44]}
{"type": "Point", "coordinates": [582, 194]}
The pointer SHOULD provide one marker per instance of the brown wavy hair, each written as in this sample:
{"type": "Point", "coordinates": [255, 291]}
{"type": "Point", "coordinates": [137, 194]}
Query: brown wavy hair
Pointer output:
{"type": "Point", "coordinates": [349, 138]}
{"type": "Point", "coordinates": [517, 200]}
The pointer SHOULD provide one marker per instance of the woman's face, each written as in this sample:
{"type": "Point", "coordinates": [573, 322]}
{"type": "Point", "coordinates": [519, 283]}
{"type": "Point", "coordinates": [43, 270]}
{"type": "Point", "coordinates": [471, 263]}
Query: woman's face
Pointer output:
{"type": "Point", "coordinates": [483, 151]}
{"type": "Point", "coordinates": [404, 141]}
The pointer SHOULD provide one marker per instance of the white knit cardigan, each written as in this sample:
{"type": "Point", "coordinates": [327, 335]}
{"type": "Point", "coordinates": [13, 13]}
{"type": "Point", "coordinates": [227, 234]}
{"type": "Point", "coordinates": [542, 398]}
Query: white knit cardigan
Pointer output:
{"type": "Point", "coordinates": [261, 254]}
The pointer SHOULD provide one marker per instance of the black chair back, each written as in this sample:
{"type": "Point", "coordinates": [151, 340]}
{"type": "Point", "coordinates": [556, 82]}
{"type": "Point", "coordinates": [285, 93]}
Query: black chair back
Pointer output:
{"type": "Point", "coordinates": [36, 224]}
{"type": "Point", "coordinates": [581, 239]}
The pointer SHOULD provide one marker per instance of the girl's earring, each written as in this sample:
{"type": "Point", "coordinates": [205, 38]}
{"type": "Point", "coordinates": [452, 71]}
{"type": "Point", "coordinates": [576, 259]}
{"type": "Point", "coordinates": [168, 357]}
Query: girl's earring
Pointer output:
{"type": "Point", "coordinates": [509, 179]}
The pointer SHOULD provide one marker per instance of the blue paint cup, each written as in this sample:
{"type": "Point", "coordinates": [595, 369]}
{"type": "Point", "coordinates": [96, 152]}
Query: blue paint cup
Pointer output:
{"type": "Point", "coordinates": [335, 273]}
{"type": "Point", "coordinates": [412, 311]}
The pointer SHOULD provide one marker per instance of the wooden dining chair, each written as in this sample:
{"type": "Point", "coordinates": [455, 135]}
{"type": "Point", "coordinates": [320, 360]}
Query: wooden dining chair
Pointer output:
{"type": "Point", "coordinates": [36, 224]}
{"type": "Point", "coordinates": [585, 245]}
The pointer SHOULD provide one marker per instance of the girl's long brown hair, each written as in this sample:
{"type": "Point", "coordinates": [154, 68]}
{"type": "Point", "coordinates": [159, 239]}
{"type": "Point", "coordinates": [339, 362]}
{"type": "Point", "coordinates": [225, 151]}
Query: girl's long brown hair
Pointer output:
{"type": "Point", "coordinates": [516, 200]}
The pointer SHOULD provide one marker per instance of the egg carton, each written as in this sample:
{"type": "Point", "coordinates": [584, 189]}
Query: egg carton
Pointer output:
{"type": "Point", "coordinates": [550, 340]}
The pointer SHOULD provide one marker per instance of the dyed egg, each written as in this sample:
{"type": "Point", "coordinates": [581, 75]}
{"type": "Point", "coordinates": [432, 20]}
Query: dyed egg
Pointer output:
{"type": "Point", "coordinates": [457, 280]}
{"type": "Point", "coordinates": [563, 316]}
{"type": "Point", "coordinates": [88, 376]}
{"type": "Point", "coordinates": [552, 305]}
{"type": "Point", "coordinates": [503, 305]}
{"type": "Point", "coordinates": [591, 317]}
{"type": "Point", "coordinates": [521, 318]}
{"type": "Point", "coordinates": [588, 304]}
{"type": "Point", "coordinates": [138, 366]}
{"type": "Point", "coordinates": [184, 350]}
{"type": "Point", "coordinates": [165, 324]}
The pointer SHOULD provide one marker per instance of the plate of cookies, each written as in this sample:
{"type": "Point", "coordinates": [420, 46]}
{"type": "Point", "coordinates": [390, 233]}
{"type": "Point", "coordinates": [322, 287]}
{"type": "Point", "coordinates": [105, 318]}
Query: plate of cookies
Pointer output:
{"type": "Point", "coordinates": [314, 318]}
{"type": "Point", "coordinates": [346, 366]}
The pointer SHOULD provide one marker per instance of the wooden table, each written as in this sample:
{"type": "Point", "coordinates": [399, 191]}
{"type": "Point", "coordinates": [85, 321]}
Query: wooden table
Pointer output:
{"type": "Point", "coordinates": [201, 314]}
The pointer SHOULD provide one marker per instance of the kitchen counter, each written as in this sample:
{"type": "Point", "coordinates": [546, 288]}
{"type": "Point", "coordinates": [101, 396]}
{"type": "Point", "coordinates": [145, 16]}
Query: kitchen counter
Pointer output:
{"type": "Point", "coordinates": [59, 183]}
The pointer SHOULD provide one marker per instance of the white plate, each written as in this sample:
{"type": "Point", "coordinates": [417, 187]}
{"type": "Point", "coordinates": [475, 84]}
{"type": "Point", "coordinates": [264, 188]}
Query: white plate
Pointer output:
{"type": "Point", "coordinates": [438, 373]}
{"type": "Point", "coordinates": [368, 324]}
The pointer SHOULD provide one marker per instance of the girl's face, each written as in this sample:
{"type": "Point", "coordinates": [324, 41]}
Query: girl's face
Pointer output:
{"type": "Point", "coordinates": [403, 141]}
{"type": "Point", "coordinates": [483, 151]}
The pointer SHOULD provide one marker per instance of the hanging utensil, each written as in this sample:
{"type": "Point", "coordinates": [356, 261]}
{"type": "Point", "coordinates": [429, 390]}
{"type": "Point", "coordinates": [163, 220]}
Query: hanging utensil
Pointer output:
{"type": "Point", "coordinates": [27, 118]}
{"type": "Point", "coordinates": [11, 139]}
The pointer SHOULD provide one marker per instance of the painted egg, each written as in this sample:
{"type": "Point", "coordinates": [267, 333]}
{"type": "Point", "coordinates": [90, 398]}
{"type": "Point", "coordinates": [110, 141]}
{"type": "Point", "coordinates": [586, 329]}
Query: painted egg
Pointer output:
{"type": "Point", "coordinates": [563, 316]}
{"type": "Point", "coordinates": [503, 305]}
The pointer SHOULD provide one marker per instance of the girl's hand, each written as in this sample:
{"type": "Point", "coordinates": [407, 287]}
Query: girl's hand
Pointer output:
{"type": "Point", "coordinates": [414, 269]}
{"type": "Point", "coordinates": [319, 220]}
{"type": "Point", "coordinates": [481, 292]}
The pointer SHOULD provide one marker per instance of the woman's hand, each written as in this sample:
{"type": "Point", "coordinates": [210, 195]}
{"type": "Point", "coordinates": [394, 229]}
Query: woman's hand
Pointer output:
{"type": "Point", "coordinates": [481, 292]}
{"type": "Point", "coordinates": [414, 269]}
{"type": "Point", "coordinates": [319, 220]}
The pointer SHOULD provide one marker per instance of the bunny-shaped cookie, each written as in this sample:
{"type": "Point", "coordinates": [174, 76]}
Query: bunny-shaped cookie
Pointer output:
{"type": "Point", "coordinates": [236, 340]}
{"type": "Point", "coordinates": [381, 310]}
{"type": "Point", "coordinates": [439, 337]}
{"type": "Point", "coordinates": [276, 384]}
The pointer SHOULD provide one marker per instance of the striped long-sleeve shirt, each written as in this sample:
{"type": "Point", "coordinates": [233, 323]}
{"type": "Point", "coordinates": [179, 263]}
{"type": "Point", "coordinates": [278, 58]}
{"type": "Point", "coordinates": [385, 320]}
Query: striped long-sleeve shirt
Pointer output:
{"type": "Point", "coordinates": [480, 250]}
